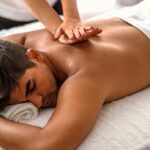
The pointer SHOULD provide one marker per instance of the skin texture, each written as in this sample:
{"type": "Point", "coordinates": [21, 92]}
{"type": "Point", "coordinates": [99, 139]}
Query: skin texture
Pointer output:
{"type": "Point", "coordinates": [67, 31]}
{"type": "Point", "coordinates": [88, 74]}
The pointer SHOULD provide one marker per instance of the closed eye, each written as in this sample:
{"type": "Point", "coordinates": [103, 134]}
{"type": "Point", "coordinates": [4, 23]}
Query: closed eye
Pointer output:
{"type": "Point", "coordinates": [30, 87]}
{"type": "Point", "coordinates": [27, 88]}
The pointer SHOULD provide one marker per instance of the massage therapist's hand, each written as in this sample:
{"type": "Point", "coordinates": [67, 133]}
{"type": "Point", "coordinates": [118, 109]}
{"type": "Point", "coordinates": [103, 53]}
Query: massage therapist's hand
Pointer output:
{"type": "Point", "coordinates": [90, 32]}
{"type": "Point", "coordinates": [73, 31]}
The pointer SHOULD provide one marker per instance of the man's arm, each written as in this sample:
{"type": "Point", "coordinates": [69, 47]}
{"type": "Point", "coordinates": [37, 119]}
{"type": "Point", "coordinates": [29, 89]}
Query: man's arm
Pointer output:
{"type": "Point", "coordinates": [15, 136]}
{"type": "Point", "coordinates": [79, 103]}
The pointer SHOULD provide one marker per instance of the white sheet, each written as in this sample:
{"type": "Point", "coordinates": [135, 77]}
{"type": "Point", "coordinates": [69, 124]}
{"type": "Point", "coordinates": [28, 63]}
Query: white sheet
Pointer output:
{"type": "Point", "coordinates": [121, 125]}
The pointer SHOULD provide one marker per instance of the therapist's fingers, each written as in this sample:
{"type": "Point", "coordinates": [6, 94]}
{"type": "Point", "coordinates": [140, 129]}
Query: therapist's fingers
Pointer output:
{"type": "Point", "coordinates": [77, 34]}
{"type": "Point", "coordinates": [86, 28]}
{"type": "Point", "coordinates": [70, 34]}
{"type": "Point", "coordinates": [93, 32]}
{"type": "Point", "coordinates": [65, 40]}
{"type": "Point", "coordinates": [82, 32]}
{"type": "Point", "coordinates": [58, 33]}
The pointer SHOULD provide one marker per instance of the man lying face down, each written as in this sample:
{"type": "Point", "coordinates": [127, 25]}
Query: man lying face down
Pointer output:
{"type": "Point", "coordinates": [78, 79]}
{"type": "Point", "coordinates": [16, 87]}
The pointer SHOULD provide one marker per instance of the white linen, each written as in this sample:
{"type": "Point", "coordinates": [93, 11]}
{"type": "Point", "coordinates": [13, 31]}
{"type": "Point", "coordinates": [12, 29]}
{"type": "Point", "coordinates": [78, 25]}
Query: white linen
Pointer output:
{"type": "Point", "coordinates": [92, 8]}
{"type": "Point", "coordinates": [128, 2]}
{"type": "Point", "coordinates": [20, 112]}
{"type": "Point", "coordinates": [138, 16]}
{"type": "Point", "coordinates": [17, 10]}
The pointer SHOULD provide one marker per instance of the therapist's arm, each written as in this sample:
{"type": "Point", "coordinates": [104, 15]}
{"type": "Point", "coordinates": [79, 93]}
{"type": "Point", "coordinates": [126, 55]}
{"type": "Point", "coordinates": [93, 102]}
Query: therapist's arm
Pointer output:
{"type": "Point", "coordinates": [72, 25]}
{"type": "Point", "coordinates": [69, 31]}
{"type": "Point", "coordinates": [70, 10]}
{"type": "Point", "coordinates": [44, 13]}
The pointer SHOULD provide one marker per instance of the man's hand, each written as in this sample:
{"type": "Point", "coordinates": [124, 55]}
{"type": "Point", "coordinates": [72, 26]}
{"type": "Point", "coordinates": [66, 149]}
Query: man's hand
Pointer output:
{"type": "Point", "coordinates": [73, 31]}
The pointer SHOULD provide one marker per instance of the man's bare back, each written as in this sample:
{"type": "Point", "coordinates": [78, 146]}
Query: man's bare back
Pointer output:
{"type": "Point", "coordinates": [113, 54]}
{"type": "Point", "coordinates": [106, 67]}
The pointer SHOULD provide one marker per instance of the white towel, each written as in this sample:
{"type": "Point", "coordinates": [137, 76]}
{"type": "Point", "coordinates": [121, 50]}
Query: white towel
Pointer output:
{"type": "Point", "coordinates": [137, 15]}
{"type": "Point", "coordinates": [20, 112]}
{"type": "Point", "coordinates": [128, 2]}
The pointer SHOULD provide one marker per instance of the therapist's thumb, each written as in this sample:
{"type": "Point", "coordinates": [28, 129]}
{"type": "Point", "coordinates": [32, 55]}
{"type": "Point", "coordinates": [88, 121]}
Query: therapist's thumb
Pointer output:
{"type": "Point", "coordinates": [58, 33]}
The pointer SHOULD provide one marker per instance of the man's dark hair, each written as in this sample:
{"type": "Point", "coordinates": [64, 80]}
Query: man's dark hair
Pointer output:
{"type": "Point", "coordinates": [13, 64]}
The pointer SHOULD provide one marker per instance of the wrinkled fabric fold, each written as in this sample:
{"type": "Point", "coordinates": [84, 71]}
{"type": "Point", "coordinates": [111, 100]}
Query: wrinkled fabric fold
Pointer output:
{"type": "Point", "coordinates": [20, 112]}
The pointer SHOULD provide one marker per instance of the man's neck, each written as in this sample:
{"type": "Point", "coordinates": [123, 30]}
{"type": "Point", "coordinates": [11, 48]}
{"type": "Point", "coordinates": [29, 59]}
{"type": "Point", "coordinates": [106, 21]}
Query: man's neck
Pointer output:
{"type": "Point", "coordinates": [58, 75]}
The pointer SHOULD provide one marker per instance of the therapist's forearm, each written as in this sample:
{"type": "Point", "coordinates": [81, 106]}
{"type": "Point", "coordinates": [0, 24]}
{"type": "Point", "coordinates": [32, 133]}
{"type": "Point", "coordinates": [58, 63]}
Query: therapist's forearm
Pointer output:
{"type": "Point", "coordinates": [17, 136]}
{"type": "Point", "coordinates": [45, 13]}
{"type": "Point", "coordinates": [70, 9]}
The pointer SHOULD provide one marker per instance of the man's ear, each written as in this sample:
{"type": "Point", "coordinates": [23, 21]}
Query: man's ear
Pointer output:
{"type": "Point", "coordinates": [34, 54]}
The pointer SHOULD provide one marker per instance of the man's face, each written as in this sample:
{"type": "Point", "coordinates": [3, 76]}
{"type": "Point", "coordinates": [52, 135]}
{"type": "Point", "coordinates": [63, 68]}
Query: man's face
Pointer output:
{"type": "Point", "coordinates": [37, 86]}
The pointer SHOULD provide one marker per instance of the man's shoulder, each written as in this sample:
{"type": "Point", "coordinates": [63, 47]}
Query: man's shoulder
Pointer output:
{"type": "Point", "coordinates": [15, 38]}
{"type": "Point", "coordinates": [38, 39]}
